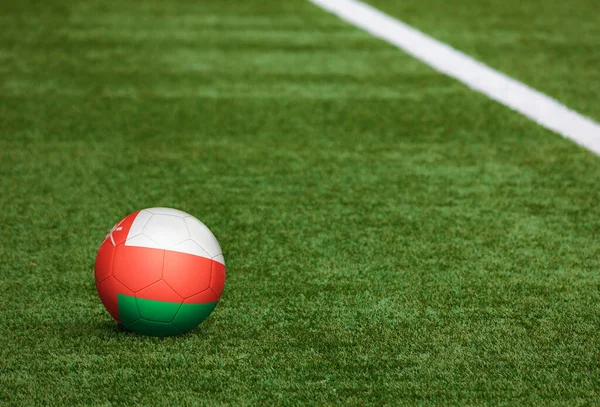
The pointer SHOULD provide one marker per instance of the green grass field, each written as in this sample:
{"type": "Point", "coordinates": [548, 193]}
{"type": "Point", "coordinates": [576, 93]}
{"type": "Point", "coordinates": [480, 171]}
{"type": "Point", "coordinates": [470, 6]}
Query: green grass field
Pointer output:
{"type": "Point", "coordinates": [391, 237]}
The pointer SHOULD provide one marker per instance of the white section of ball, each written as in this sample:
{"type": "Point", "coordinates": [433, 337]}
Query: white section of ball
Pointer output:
{"type": "Point", "coordinates": [174, 230]}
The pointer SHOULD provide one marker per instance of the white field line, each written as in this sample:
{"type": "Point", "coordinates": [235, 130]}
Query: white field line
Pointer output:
{"type": "Point", "coordinates": [531, 103]}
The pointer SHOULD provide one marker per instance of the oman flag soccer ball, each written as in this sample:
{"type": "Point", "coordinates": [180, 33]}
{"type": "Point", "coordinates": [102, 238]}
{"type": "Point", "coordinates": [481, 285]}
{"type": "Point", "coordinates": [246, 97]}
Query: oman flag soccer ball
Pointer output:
{"type": "Point", "coordinates": [160, 272]}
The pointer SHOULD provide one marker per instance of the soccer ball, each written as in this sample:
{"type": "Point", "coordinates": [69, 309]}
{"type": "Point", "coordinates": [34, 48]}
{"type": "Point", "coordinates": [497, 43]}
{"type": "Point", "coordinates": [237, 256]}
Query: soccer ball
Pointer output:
{"type": "Point", "coordinates": [160, 272]}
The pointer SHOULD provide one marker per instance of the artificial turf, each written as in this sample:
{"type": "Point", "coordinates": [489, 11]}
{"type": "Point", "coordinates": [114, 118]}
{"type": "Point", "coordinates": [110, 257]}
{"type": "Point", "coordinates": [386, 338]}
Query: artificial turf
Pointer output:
{"type": "Point", "coordinates": [390, 236]}
{"type": "Point", "coordinates": [550, 45]}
